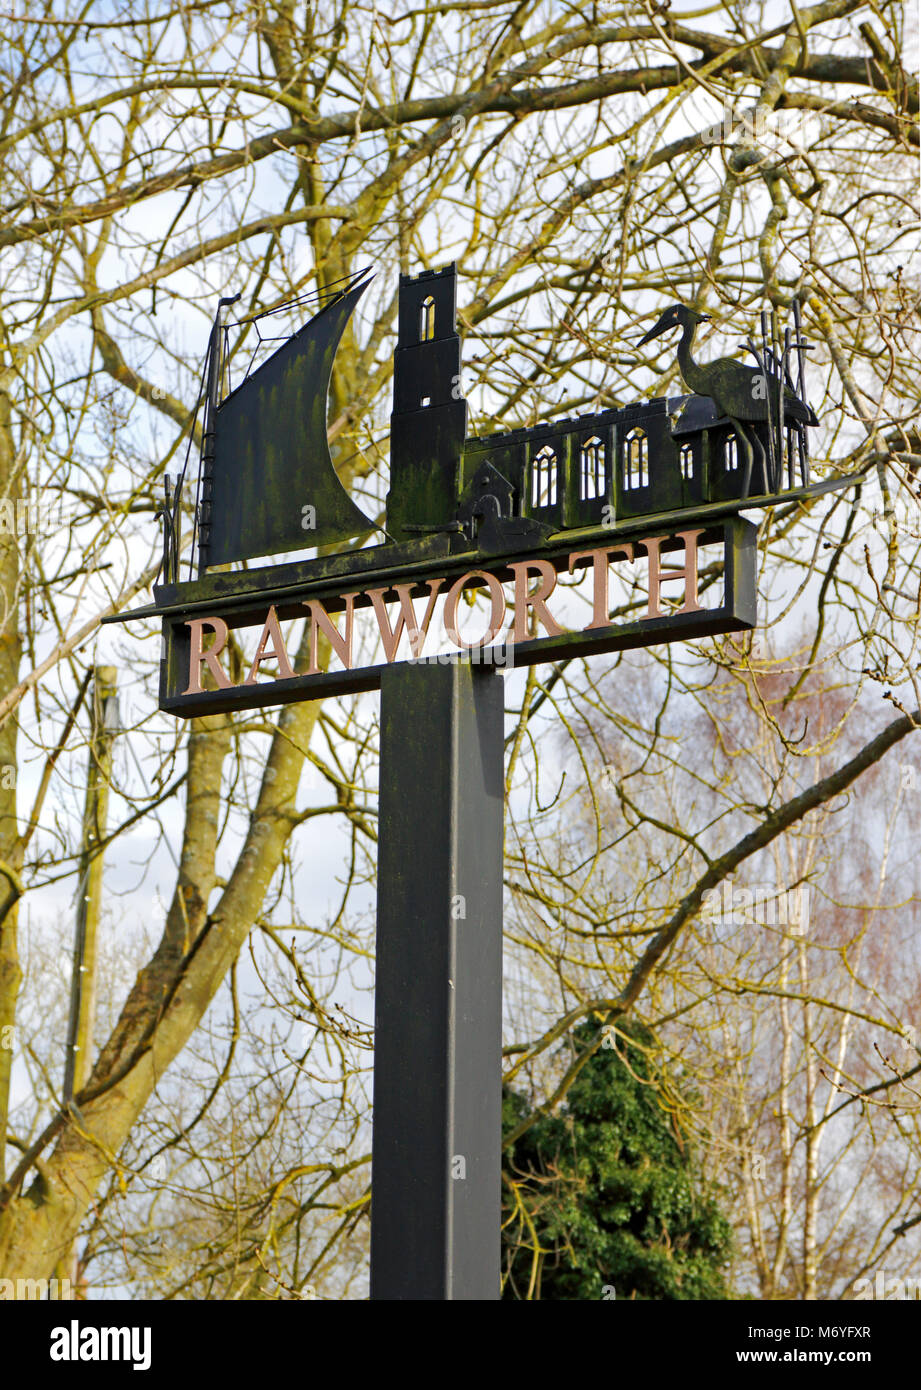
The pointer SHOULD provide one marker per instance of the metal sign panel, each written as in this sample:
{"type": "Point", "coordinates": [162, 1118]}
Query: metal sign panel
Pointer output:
{"type": "Point", "coordinates": [194, 680]}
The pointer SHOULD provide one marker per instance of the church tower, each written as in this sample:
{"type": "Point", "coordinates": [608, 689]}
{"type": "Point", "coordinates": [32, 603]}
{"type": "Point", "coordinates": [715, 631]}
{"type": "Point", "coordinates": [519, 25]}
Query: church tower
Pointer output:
{"type": "Point", "coordinates": [428, 425]}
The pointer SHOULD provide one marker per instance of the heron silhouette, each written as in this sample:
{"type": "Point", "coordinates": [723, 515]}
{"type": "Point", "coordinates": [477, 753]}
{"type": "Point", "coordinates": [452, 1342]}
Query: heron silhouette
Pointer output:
{"type": "Point", "coordinates": [745, 395]}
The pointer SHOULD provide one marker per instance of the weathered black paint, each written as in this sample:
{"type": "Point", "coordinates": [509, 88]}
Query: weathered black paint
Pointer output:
{"type": "Point", "coordinates": [271, 455]}
{"type": "Point", "coordinates": [429, 420]}
{"type": "Point", "coordinates": [438, 993]}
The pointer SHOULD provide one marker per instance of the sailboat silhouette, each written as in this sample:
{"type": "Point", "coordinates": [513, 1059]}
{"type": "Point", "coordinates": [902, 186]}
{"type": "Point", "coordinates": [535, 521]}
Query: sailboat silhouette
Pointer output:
{"type": "Point", "coordinates": [269, 484]}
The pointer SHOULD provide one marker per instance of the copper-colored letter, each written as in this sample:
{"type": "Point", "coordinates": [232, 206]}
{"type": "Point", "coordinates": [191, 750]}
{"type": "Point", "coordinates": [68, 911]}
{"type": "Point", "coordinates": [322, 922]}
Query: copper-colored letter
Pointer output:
{"type": "Point", "coordinates": [688, 572]}
{"type": "Point", "coordinates": [341, 643]}
{"type": "Point", "coordinates": [210, 657]}
{"type": "Point", "coordinates": [600, 612]}
{"type": "Point", "coordinates": [496, 615]}
{"type": "Point", "coordinates": [536, 600]}
{"type": "Point", "coordinates": [273, 630]}
{"type": "Point", "coordinates": [390, 637]}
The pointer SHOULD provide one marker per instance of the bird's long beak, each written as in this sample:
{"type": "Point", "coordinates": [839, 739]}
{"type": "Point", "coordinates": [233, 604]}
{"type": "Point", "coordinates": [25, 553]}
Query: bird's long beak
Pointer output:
{"type": "Point", "coordinates": [655, 332]}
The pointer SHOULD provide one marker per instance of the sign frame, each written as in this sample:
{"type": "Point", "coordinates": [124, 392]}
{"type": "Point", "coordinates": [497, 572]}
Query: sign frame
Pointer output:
{"type": "Point", "coordinates": [737, 612]}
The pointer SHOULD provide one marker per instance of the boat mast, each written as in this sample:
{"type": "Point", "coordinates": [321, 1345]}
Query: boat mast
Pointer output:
{"type": "Point", "coordinates": [215, 373]}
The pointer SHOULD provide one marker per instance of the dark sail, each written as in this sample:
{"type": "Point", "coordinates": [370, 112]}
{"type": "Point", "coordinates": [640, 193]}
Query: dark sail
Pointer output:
{"type": "Point", "coordinates": [272, 474]}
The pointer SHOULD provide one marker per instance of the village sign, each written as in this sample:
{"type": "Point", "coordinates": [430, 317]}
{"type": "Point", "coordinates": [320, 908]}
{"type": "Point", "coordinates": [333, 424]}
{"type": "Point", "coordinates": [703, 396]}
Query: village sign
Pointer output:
{"type": "Point", "coordinates": [668, 487]}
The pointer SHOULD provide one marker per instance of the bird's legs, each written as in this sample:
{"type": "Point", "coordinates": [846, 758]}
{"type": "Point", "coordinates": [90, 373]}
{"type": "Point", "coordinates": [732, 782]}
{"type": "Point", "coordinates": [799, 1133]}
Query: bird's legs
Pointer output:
{"type": "Point", "coordinates": [762, 460]}
{"type": "Point", "coordinates": [743, 440]}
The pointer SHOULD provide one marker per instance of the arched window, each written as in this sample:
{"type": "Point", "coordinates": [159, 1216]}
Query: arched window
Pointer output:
{"type": "Point", "coordinates": [686, 457]}
{"type": "Point", "coordinates": [636, 471]}
{"type": "Point", "coordinates": [730, 454]}
{"type": "Point", "coordinates": [591, 470]}
{"type": "Point", "coordinates": [543, 478]}
{"type": "Point", "coordinates": [427, 320]}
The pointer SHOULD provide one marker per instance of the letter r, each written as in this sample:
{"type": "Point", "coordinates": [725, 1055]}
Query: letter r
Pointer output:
{"type": "Point", "coordinates": [210, 657]}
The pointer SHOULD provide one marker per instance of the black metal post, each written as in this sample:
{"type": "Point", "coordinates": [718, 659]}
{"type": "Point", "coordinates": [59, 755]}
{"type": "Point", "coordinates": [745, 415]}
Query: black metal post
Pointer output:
{"type": "Point", "coordinates": [435, 1209]}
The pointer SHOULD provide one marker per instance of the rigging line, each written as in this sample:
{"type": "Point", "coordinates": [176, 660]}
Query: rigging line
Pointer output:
{"type": "Point", "coordinates": [181, 479]}
{"type": "Point", "coordinates": [329, 296]}
{"type": "Point", "coordinates": [329, 293]}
